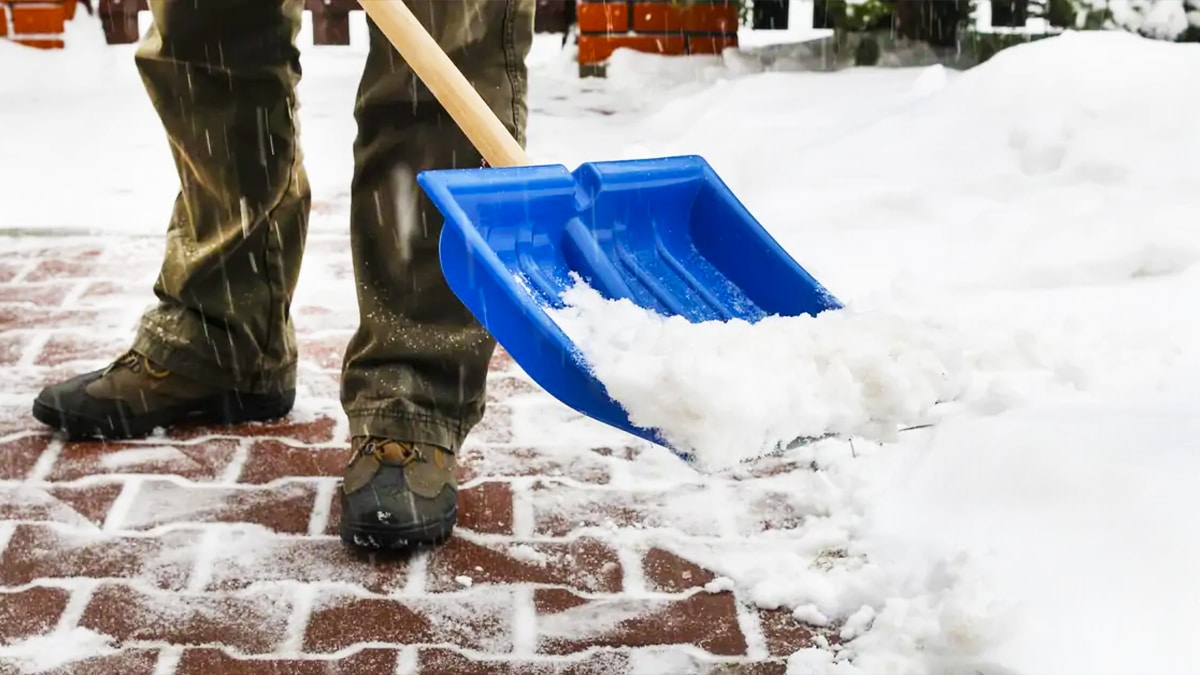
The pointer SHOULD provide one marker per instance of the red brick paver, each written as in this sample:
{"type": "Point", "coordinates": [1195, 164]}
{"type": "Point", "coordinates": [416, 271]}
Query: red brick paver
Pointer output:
{"type": "Point", "coordinates": [215, 550]}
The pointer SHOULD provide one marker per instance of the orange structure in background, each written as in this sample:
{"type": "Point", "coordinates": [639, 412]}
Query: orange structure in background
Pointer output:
{"type": "Point", "coordinates": [36, 23]}
{"type": "Point", "coordinates": [672, 27]}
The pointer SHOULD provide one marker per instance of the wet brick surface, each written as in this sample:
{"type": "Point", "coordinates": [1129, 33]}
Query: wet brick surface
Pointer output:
{"type": "Point", "coordinates": [214, 550]}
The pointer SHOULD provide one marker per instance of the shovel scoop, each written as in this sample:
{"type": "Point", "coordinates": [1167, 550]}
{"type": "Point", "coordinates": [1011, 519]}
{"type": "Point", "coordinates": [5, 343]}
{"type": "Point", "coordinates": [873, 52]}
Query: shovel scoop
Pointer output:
{"type": "Point", "coordinates": [666, 234]}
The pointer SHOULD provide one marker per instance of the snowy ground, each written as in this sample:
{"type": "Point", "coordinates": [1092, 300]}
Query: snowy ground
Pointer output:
{"type": "Point", "coordinates": [1020, 238]}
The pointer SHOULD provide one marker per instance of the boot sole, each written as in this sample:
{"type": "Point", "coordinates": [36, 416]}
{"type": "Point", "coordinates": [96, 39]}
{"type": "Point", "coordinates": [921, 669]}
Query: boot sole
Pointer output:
{"type": "Point", "coordinates": [224, 409]}
{"type": "Point", "coordinates": [378, 538]}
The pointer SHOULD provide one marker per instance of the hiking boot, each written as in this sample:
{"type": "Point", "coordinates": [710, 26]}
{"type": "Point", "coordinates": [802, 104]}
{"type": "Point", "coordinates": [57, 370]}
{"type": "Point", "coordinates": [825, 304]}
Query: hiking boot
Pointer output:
{"type": "Point", "coordinates": [397, 495]}
{"type": "Point", "coordinates": [134, 396]}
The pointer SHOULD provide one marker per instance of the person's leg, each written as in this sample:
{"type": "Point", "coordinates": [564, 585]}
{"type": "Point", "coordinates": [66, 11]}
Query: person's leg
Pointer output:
{"type": "Point", "coordinates": [415, 371]}
{"type": "Point", "coordinates": [218, 346]}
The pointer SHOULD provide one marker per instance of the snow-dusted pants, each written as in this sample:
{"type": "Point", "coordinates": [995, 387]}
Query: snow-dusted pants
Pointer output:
{"type": "Point", "coordinates": [222, 75]}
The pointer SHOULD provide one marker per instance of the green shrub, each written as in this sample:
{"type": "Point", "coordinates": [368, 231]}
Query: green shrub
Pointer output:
{"type": "Point", "coordinates": [938, 22]}
{"type": "Point", "coordinates": [859, 15]}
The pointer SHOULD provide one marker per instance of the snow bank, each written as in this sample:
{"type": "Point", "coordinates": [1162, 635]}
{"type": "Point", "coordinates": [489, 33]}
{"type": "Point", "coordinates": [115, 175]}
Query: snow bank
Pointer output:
{"type": "Point", "coordinates": [1104, 107]}
{"type": "Point", "coordinates": [1077, 112]}
{"type": "Point", "coordinates": [1018, 238]}
{"type": "Point", "coordinates": [1070, 517]}
{"type": "Point", "coordinates": [1056, 162]}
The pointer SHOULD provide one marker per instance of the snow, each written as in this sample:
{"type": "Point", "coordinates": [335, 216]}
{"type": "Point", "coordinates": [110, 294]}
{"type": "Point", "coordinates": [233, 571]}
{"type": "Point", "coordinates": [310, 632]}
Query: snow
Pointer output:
{"type": "Point", "coordinates": [57, 650]}
{"type": "Point", "coordinates": [1015, 244]}
{"type": "Point", "coordinates": [1159, 19]}
{"type": "Point", "coordinates": [1165, 20]}
{"type": "Point", "coordinates": [848, 373]}
{"type": "Point", "coordinates": [1023, 134]}
{"type": "Point", "coordinates": [131, 457]}
{"type": "Point", "coordinates": [1033, 263]}
{"type": "Point", "coordinates": [1075, 512]}
{"type": "Point", "coordinates": [527, 554]}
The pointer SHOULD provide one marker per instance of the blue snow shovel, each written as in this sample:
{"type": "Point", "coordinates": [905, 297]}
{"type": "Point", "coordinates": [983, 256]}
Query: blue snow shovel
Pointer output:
{"type": "Point", "coordinates": [666, 234]}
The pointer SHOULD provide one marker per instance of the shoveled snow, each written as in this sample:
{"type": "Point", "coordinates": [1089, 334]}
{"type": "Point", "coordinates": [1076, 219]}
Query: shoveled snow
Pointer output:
{"type": "Point", "coordinates": [727, 392]}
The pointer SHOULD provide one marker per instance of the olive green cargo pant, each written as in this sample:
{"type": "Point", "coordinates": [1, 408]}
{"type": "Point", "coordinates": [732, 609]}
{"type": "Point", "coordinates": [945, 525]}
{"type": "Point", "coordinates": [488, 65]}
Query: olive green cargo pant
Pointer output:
{"type": "Point", "coordinates": [222, 75]}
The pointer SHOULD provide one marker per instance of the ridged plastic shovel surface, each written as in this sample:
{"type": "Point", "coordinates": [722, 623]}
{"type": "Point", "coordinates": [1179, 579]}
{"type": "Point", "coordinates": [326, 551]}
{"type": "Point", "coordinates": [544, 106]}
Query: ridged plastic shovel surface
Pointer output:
{"type": "Point", "coordinates": [666, 233]}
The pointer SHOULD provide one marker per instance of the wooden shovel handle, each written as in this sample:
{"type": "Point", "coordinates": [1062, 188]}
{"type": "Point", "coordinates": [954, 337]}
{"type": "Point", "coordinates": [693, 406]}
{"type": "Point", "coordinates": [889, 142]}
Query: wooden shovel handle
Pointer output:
{"type": "Point", "coordinates": [430, 62]}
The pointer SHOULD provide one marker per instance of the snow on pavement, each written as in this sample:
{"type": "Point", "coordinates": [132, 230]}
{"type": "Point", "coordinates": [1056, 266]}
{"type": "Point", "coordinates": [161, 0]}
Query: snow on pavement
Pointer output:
{"type": "Point", "coordinates": [1018, 236]}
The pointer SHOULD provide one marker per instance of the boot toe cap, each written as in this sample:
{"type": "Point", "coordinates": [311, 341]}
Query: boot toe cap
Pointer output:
{"type": "Point", "coordinates": [385, 514]}
{"type": "Point", "coordinates": [68, 395]}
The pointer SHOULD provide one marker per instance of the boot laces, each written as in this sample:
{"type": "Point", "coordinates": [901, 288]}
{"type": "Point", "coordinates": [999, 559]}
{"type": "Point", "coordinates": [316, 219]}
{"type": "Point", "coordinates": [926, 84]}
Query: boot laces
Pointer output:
{"type": "Point", "coordinates": [137, 363]}
{"type": "Point", "coordinates": [391, 452]}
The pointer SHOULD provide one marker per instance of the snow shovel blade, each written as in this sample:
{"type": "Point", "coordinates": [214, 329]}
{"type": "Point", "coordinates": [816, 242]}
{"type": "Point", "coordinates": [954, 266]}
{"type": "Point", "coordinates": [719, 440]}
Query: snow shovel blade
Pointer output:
{"type": "Point", "coordinates": [666, 234]}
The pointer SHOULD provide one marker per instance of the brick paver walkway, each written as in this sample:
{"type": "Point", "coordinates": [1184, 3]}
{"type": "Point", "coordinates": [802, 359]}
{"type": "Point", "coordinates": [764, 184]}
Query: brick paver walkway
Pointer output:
{"type": "Point", "coordinates": [213, 551]}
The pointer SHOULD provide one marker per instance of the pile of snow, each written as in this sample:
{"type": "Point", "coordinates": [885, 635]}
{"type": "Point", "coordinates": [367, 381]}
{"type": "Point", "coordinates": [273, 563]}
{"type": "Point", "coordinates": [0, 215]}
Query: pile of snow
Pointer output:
{"type": "Point", "coordinates": [1018, 238]}
{"type": "Point", "coordinates": [727, 392]}
{"type": "Point", "coordinates": [1074, 121]}
{"type": "Point", "coordinates": [1055, 163]}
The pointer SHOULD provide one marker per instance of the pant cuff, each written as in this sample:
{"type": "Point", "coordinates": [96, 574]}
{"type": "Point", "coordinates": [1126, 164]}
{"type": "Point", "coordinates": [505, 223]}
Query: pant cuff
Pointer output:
{"type": "Point", "coordinates": [407, 427]}
{"type": "Point", "coordinates": [182, 359]}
